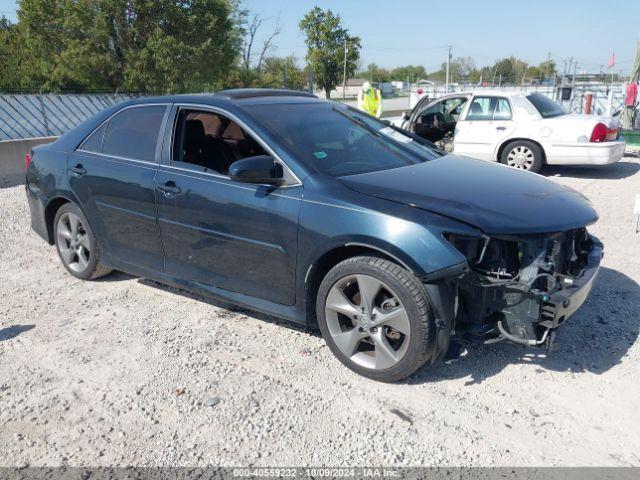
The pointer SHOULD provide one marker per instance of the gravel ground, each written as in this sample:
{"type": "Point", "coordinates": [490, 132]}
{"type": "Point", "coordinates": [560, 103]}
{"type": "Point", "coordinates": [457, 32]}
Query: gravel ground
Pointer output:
{"type": "Point", "coordinates": [124, 371]}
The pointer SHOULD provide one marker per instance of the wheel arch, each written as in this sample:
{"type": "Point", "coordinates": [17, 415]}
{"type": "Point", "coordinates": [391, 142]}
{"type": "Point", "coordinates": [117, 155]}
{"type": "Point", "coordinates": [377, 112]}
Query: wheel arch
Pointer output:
{"type": "Point", "coordinates": [53, 205]}
{"type": "Point", "coordinates": [330, 258]}
{"type": "Point", "coordinates": [504, 144]}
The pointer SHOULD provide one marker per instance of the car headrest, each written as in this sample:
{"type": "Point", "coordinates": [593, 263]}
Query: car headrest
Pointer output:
{"type": "Point", "coordinates": [476, 108]}
{"type": "Point", "coordinates": [194, 131]}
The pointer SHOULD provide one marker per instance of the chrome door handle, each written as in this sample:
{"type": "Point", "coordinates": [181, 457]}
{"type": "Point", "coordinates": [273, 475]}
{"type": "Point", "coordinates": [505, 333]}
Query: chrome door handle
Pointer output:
{"type": "Point", "coordinates": [501, 128]}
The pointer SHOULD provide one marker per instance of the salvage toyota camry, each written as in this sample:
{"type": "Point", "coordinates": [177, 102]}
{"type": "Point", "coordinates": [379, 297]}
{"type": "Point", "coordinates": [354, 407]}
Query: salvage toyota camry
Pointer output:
{"type": "Point", "coordinates": [315, 212]}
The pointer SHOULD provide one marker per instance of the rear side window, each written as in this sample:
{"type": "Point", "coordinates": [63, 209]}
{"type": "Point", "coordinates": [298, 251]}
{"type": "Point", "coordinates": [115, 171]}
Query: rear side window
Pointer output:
{"type": "Point", "coordinates": [545, 106]}
{"type": "Point", "coordinates": [503, 110]}
{"type": "Point", "coordinates": [132, 133]}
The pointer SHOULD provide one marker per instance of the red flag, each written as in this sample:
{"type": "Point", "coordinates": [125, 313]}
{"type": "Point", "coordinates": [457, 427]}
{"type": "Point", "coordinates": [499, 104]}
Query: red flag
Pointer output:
{"type": "Point", "coordinates": [612, 60]}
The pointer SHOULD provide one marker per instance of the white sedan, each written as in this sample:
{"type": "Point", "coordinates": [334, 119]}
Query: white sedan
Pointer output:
{"type": "Point", "coordinates": [521, 130]}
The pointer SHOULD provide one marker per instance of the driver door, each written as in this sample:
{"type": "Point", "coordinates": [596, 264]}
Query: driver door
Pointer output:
{"type": "Point", "coordinates": [218, 232]}
{"type": "Point", "coordinates": [438, 118]}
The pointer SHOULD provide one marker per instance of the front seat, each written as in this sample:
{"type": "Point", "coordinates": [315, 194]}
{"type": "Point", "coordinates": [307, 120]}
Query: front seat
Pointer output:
{"type": "Point", "coordinates": [204, 150]}
{"type": "Point", "coordinates": [194, 143]}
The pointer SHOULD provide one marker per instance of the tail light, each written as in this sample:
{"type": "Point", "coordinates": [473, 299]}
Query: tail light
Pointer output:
{"type": "Point", "coordinates": [602, 133]}
{"type": "Point", "coordinates": [27, 161]}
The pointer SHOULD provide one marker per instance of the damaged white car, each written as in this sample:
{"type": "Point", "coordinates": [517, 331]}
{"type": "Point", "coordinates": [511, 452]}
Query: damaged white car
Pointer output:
{"type": "Point", "coordinates": [524, 131]}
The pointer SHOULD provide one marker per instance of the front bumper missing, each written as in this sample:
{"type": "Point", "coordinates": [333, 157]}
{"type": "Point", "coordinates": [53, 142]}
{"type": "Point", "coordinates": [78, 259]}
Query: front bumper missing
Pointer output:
{"type": "Point", "coordinates": [554, 308]}
{"type": "Point", "coordinates": [564, 303]}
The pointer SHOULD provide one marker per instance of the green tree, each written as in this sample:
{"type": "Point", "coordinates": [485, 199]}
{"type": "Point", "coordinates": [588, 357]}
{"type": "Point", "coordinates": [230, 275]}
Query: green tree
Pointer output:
{"type": "Point", "coordinates": [326, 38]}
{"type": "Point", "coordinates": [375, 73]}
{"type": "Point", "coordinates": [408, 73]}
{"type": "Point", "coordinates": [140, 45]}
{"type": "Point", "coordinates": [11, 57]}
{"type": "Point", "coordinates": [281, 72]}
{"type": "Point", "coordinates": [459, 69]}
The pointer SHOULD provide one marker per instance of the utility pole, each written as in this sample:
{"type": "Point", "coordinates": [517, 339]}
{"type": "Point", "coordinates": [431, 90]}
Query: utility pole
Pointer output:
{"type": "Point", "coordinates": [546, 72]}
{"type": "Point", "coordinates": [344, 70]}
{"type": "Point", "coordinates": [526, 70]}
{"type": "Point", "coordinates": [493, 80]}
{"type": "Point", "coordinates": [446, 87]}
{"type": "Point", "coordinates": [570, 64]}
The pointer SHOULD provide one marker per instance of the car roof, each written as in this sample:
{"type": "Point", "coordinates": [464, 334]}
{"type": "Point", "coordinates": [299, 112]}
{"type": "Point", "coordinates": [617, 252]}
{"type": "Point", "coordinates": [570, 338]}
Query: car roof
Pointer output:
{"type": "Point", "coordinates": [492, 93]}
{"type": "Point", "coordinates": [239, 96]}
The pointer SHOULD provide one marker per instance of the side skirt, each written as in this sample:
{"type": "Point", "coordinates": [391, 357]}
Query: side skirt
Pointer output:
{"type": "Point", "coordinates": [292, 313]}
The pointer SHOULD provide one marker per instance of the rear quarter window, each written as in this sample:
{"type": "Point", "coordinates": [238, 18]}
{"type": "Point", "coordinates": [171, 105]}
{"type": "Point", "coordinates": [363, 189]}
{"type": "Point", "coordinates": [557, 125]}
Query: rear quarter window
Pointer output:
{"type": "Point", "coordinates": [93, 143]}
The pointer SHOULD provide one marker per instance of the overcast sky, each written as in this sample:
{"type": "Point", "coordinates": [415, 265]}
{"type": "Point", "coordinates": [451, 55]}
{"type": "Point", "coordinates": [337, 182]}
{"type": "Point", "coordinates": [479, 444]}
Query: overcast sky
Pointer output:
{"type": "Point", "coordinates": [404, 32]}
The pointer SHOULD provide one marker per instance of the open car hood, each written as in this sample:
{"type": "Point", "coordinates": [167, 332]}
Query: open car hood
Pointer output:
{"type": "Point", "coordinates": [492, 197]}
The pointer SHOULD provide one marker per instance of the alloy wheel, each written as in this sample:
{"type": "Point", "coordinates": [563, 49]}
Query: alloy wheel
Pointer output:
{"type": "Point", "coordinates": [367, 321]}
{"type": "Point", "coordinates": [73, 242]}
{"type": "Point", "coordinates": [520, 157]}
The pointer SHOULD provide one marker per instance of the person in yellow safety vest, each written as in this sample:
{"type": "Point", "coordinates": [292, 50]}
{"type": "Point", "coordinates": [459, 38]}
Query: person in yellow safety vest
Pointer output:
{"type": "Point", "coordinates": [370, 100]}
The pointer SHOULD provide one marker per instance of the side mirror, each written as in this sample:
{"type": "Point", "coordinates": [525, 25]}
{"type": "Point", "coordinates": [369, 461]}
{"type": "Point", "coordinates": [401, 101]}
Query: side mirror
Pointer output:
{"type": "Point", "coordinates": [261, 169]}
{"type": "Point", "coordinates": [405, 116]}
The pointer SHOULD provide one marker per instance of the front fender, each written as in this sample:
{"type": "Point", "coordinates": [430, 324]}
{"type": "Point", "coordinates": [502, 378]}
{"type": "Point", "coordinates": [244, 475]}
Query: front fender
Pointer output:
{"type": "Point", "coordinates": [419, 247]}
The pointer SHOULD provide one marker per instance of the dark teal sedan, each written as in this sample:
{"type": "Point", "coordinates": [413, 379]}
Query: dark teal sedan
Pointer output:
{"type": "Point", "coordinates": [315, 212]}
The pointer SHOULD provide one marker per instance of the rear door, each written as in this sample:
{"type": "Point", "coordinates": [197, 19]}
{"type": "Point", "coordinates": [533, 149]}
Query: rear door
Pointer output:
{"type": "Point", "coordinates": [486, 122]}
{"type": "Point", "coordinates": [112, 174]}
{"type": "Point", "coordinates": [235, 236]}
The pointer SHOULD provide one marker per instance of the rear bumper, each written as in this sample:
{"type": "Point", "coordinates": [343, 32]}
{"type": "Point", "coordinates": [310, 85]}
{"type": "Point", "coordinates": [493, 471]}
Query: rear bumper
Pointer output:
{"type": "Point", "coordinates": [584, 153]}
{"type": "Point", "coordinates": [37, 211]}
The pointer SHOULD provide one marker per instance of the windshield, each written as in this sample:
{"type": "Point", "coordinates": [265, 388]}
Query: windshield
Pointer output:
{"type": "Point", "coordinates": [340, 141]}
{"type": "Point", "coordinates": [545, 106]}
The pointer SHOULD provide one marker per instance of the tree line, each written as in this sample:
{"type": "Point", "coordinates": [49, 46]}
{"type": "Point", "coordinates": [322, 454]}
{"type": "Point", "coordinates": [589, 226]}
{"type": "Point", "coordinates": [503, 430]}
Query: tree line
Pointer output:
{"type": "Point", "coordinates": [172, 46]}
{"type": "Point", "coordinates": [463, 69]}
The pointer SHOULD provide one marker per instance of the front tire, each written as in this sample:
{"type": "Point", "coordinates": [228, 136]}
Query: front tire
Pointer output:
{"type": "Point", "coordinates": [523, 155]}
{"type": "Point", "coordinates": [376, 317]}
{"type": "Point", "coordinates": [76, 244]}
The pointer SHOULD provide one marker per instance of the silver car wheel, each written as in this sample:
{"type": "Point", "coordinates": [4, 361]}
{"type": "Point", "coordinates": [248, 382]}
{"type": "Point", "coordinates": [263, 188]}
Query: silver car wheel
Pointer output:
{"type": "Point", "coordinates": [520, 157]}
{"type": "Point", "coordinates": [73, 242]}
{"type": "Point", "coordinates": [367, 321]}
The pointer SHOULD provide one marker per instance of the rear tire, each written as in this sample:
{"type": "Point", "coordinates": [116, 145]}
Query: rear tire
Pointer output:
{"type": "Point", "coordinates": [376, 317]}
{"type": "Point", "coordinates": [523, 155]}
{"type": "Point", "coordinates": [76, 244]}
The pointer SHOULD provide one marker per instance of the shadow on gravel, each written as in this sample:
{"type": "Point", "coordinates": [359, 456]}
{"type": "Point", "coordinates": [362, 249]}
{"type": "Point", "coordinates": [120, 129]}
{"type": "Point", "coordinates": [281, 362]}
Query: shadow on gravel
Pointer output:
{"type": "Point", "coordinates": [231, 308]}
{"type": "Point", "coordinates": [114, 277]}
{"type": "Point", "coordinates": [594, 340]}
{"type": "Point", "coordinates": [13, 331]}
{"type": "Point", "coordinates": [615, 171]}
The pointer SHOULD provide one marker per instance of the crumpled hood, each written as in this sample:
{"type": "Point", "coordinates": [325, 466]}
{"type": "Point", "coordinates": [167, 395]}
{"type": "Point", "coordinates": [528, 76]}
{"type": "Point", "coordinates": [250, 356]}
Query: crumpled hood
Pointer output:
{"type": "Point", "coordinates": [492, 197]}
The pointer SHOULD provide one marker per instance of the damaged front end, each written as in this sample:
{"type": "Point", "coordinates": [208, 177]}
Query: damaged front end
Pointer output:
{"type": "Point", "coordinates": [521, 287]}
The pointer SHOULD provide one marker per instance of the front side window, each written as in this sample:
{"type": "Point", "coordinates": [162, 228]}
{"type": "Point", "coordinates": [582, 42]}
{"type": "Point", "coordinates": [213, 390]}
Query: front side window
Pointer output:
{"type": "Point", "coordinates": [450, 108]}
{"type": "Point", "coordinates": [210, 141]}
{"type": "Point", "coordinates": [131, 133]}
{"type": "Point", "coordinates": [489, 108]}
{"type": "Point", "coordinates": [339, 141]}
